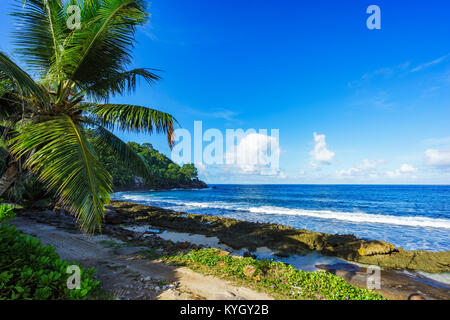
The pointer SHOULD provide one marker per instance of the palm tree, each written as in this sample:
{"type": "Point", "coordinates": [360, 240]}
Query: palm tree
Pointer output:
{"type": "Point", "coordinates": [78, 71]}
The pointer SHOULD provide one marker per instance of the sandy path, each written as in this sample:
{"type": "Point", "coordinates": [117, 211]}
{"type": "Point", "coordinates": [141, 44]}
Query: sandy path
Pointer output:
{"type": "Point", "coordinates": [125, 275]}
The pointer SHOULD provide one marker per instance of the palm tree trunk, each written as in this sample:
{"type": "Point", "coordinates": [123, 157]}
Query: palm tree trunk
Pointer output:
{"type": "Point", "coordinates": [8, 178]}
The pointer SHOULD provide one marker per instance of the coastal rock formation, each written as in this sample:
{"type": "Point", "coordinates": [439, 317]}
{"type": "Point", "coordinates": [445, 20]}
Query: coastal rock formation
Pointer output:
{"type": "Point", "coordinates": [140, 185]}
{"type": "Point", "coordinates": [284, 240]}
{"type": "Point", "coordinates": [375, 247]}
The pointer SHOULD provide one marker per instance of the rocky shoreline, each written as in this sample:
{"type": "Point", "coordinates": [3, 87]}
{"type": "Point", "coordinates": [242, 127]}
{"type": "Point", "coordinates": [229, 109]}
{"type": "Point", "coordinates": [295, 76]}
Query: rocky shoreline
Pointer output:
{"type": "Point", "coordinates": [284, 240]}
{"type": "Point", "coordinates": [142, 227]}
{"type": "Point", "coordinates": [141, 186]}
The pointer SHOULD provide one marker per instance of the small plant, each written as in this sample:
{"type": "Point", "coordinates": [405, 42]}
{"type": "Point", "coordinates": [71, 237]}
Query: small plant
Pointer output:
{"type": "Point", "coordinates": [6, 212]}
{"type": "Point", "coordinates": [162, 283]}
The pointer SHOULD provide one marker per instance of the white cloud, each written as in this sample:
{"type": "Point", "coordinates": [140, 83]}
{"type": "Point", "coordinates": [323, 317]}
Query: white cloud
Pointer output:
{"type": "Point", "coordinates": [256, 153]}
{"type": "Point", "coordinates": [201, 168]}
{"type": "Point", "coordinates": [437, 158]}
{"type": "Point", "coordinates": [405, 169]}
{"type": "Point", "coordinates": [321, 154]}
{"type": "Point", "coordinates": [365, 168]}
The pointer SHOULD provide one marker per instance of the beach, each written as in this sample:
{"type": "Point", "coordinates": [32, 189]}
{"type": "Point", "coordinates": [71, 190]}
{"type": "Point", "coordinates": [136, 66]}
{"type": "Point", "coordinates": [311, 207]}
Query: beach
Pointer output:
{"type": "Point", "coordinates": [138, 227]}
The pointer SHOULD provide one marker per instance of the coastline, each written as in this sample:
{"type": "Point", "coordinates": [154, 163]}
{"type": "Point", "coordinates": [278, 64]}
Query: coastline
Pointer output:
{"type": "Point", "coordinates": [193, 185]}
{"type": "Point", "coordinates": [283, 240]}
{"type": "Point", "coordinates": [132, 233]}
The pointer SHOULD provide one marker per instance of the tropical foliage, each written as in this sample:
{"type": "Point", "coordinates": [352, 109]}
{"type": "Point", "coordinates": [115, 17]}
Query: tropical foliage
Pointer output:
{"type": "Point", "coordinates": [29, 270]}
{"type": "Point", "coordinates": [43, 122]}
{"type": "Point", "coordinates": [165, 174]}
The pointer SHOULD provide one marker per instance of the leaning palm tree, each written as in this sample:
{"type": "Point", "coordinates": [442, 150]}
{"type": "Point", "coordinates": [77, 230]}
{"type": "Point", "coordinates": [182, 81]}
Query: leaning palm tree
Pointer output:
{"type": "Point", "coordinates": [77, 70]}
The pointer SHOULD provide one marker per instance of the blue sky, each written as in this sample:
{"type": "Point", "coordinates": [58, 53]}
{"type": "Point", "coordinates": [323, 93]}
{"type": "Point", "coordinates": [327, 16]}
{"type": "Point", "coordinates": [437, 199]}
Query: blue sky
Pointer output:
{"type": "Point", "coordinates": [378, 100]}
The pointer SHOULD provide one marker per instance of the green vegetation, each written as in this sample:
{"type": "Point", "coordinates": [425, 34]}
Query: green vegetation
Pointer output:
{"type": "Point", "coordinates": [6, 212]}
{"type": "Point", "coordinates": [29, 270]}
{"type": "Point", "coordinates": [73, 74]}
{"type": "Point", "coordinates": [165, 174]}
{"type": "Point", "coordinates": [276, 278]}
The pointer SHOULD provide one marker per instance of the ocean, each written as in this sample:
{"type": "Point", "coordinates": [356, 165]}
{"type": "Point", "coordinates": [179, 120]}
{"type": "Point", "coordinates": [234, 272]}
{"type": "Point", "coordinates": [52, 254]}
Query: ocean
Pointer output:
{"type": "Point", "coordinates": [412, 217]}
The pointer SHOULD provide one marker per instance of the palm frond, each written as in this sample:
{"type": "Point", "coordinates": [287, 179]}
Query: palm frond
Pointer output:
{"type": "Point", "coordinates": [42, 29]}
{"type": "Point", "coordinates": [105, 141]}
{"type": "Point", "coordinates": [21, 80]}
{"type": "Point", "coordinates": [133, 118]}
{"type": "Point", "coordinates": [102, 46]}
{"type": "Point", "coordinates": [118, 83]}
{"type": "Point", "coordinates": [59, 152]}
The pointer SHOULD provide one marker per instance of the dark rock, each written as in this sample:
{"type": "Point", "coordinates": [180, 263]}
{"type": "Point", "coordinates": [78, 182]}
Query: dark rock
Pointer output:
{"type": "Point", "coordinates": [183, 245]}
{"type": "Point", "coordinates": [248, 254]}
{"type": "Point", "coordinates": [282, 254]}
{"type": "Point", "coordinates": [112, 217]}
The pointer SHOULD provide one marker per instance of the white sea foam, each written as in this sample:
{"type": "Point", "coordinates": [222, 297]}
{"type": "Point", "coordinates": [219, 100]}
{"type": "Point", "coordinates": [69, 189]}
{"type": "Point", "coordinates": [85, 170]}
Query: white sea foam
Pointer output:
{"type": "Point", "coordinates": [357, 217]}
{"type": "Point", "coordinates": [362, 217]}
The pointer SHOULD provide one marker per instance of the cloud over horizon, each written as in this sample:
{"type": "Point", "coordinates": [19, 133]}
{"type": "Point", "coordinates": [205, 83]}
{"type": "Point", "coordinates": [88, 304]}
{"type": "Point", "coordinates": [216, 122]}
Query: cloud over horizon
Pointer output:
{"type": "Point", "coordinates": [438, 158]}
{"type": "Point", "coordinates": [321, 154]}
{"type": "Point", "coordinates": [365, 168]}
{"type": "Point", "coordinates": [404, 170]}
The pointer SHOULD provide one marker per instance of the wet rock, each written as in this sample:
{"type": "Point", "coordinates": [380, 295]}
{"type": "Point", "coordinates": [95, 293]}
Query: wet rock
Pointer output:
{"type": "Point", "coordinates": [112, 217]}
{"type": "Point", "coordinates": [375, 247]}
{"type": "Point", "coordinates": [248, 254]}
{"type": "Point", "coordinates": [183, 245]}
{"type": "Point", "coordinates": [282, 254]}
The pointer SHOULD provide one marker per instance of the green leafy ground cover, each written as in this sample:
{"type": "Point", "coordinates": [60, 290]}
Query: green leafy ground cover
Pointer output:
{"type": "Point", "coordinates": [31, 271]}
{"type": "Point", "coordinates": [280, 280]}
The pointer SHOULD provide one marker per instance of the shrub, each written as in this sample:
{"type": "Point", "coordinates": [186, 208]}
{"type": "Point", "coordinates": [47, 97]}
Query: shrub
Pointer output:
{"type": "Point", "coordinates": [6, 212]}
{"type": "Point", "coordinates": [29, 270]}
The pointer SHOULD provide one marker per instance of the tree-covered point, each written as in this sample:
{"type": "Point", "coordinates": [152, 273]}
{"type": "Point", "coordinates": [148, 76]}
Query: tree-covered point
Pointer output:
{"type": "Point", "coordinates": [165, 174]}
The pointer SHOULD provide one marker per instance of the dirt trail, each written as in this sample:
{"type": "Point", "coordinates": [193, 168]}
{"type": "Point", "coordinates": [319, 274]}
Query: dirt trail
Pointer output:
{"type": "Point", "coordinates": [125, 275]}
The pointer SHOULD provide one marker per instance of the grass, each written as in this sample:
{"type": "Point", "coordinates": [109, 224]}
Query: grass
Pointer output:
{"type": "Point", "coordinates": [279, 280]}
